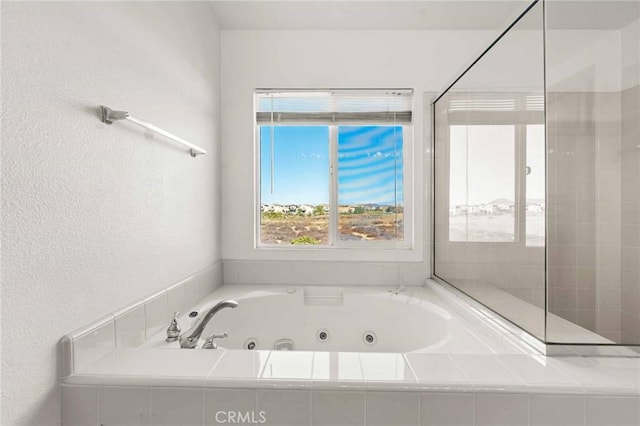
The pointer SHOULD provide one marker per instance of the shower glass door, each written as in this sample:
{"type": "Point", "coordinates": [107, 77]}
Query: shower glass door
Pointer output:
{"type": "Point", "coordinates": [489, 182]}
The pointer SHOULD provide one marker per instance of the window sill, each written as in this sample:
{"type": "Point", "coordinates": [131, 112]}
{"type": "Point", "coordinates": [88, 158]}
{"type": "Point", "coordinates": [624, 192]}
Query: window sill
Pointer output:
{"type": "Point", "coordinates": [339, 253]}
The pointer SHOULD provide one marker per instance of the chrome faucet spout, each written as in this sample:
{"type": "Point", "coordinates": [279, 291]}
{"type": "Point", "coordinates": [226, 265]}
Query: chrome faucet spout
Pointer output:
{"type": "Point", "coordinates": [189, 339]}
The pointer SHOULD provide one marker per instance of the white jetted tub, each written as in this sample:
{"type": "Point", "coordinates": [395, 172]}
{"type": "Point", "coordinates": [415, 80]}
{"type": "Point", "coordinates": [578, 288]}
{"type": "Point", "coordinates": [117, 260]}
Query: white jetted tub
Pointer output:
{"type": "Point", "coordinates": [321, 319]}
{"type": "Point", "coordinates": [370, 355]}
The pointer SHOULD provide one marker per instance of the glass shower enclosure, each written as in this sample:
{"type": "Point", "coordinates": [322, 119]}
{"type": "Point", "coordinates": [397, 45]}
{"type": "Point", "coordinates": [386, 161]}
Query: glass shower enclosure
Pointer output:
{"type": "Point", "coordinates": [536, 184]}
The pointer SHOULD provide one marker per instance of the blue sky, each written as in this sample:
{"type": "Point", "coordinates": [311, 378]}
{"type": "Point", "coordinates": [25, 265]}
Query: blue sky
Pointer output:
{"type": "Point", "coordinates": [369, 165]}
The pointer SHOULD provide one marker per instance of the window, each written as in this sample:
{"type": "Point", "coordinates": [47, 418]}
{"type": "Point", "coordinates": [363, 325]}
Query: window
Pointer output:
{"type": "Point", "coordinates": [483, 183]}
{"type": "Point", "coordinates": [496, 169]}
{"type": "Point", "coordinates": [333, 167]}
{"type": "Point", "coordinates": [535, 185]}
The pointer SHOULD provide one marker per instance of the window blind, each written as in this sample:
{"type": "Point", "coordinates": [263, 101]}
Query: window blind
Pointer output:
{"type": "Point", "coordinates": [496, 102]}
{"type": "Point", "coordinates": [494, 107]}
{"type": "Point", "coordinates": [334, 106]}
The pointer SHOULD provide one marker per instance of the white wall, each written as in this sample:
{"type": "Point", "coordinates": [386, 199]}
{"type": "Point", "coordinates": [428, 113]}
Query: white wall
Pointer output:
{"type": "Point", "coordinates": [96, 216]}
{"type": "Point", "coordinates": [422, 60]}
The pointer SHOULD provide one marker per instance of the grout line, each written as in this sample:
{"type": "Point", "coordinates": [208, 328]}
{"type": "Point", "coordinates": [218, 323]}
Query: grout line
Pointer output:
{"type": "Point", "coordinates": [473, 408]}
{"type": "Point", "coordinates": [150, 402]}
{"type": "Point", "coordinates": [406, 360]}
{"type": "Point", "coordinates": [311, 406]}
{"type": "Point", "coordinates": [203, 405]}
{"type": "Point", "coordinates": [255, 399]}
{"type": "Point", "coordinates": [97, 405]}
{"type": "Point", "coordinates": [419, 407]}
{"type": "Point", "coordinates": [365, 401]}
{"type": "Point", "coordinates": [149, 405]}
{"type": "Point", "coordinates": [361, 371]}
{"type": "Point", "coordinates": [459, 367]}
{"type": "Point", "coordinates": [264, 367]}
{"type": "Point", "coordinates": [215, 364]}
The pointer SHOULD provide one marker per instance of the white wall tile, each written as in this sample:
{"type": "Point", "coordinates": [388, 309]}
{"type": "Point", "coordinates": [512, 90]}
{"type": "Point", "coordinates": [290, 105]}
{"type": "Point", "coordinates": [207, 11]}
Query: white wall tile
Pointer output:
{"type": "Point", "coordinates": [193, 290]}
{"type": "Point", "coordinates": [326, 272]}
{"type": "Point", "coordinates": [393, 409]}
{"type": "Point", "coordinates": [494, 409]}
{"type": "Point", "coordinates": [176, 363]}
{"type": "Point", "coordinates": [176, 301]}
{"type": "Point", "coordinates": [337, 408]}
{"type": "Point", "coordinates": [557, 410]}
{"type": "Point", "coordinates": [239, 364]}
{"type": "Point", "coordinates": [336, 366]}
{"type": "Point", "coordinates": [130, 328]}
{"type": "Point", "coordinates": [79, 405]}
{"type": "Point", "coordinates": [466, 343]}
{"type": "Point", "coordinates": [436, 369]}
{"type": "Point", "coordinates": [155, 311]}
{"type": "Point", "coordinates": [126, 406]}
{"type": "Point", "coordinates": [203, 283]}
{"type": "Point", "coordinates": [230, 406]}
{"type": "Point", "coordinates": [387, 367]}
{"type": "Point", "coordinates": [176, 406]}
{"type": "Point", "coordinates": [536, 370]}
{"type": "Point", "coordinates": [289, 365]}
{"type": "Point", "coordinates": [446, 409]}
{"type": "Point", "coordinates": [93, 346]}
{"type": "Point", "coordinates": [597, 378]}
{"type": "Point", "coordinates": [612, 411]}
{"type": "Point", "coordinates": [485, 369]}
{"type": "Point", "coordinates": [285, 407]}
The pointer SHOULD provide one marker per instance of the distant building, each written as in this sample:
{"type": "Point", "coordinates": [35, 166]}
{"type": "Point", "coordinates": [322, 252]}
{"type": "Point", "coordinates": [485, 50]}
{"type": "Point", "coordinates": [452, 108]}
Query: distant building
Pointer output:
{"type": "Point", "coordinates": [535, 208]}
{"type": "Point", "coordinates": [306, 209]}
{"type": "Point", "coordinates": [346, 209]}
{"type": "Point", "coordinates": [486, 208]}
{"type": "Point", "coordinates": [274, 208]}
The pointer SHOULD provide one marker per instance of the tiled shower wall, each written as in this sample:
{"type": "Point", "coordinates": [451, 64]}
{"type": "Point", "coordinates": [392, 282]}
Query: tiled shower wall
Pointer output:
{"type": "Point", "coordinates": [564, 128]}
{"type": "Point", "coordinates": [608, 215]}
{"type": "Point", "coordinates": [630, 227]}
{"type": "Point", "coordinates": [583, 137]}
{"type": "Point", "coordinates": [593, 149]}
{"type": "Point", "coordinates": [630, 185]}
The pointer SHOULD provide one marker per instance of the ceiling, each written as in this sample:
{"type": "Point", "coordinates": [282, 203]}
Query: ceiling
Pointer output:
{"type": "Point", "coordinates": [366, 15]}
{"type": "Point", "coordinates": [416, 15]}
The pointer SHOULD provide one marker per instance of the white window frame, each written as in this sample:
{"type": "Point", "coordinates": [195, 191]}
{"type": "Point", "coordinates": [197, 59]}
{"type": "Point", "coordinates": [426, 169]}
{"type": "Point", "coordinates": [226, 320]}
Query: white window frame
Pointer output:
{"type": "Point", "coordinates": [407, 243]}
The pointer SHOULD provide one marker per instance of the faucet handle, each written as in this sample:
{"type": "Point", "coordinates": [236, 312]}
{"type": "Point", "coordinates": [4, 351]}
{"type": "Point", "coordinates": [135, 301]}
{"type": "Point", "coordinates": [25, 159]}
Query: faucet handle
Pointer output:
{"type": "Point", "coordinates": [210, 344]}
{"type": "Point", "coordinates": [173, 331]}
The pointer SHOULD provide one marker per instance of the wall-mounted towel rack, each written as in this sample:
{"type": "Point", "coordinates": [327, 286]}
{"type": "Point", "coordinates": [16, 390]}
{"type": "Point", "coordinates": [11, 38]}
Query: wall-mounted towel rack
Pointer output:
{"type": "Point", "coordinates": [109, 116]}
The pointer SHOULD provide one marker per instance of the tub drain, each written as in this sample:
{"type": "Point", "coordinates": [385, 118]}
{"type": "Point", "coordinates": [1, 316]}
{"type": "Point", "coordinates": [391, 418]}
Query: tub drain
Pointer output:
{"type": "Point", "coordinates": [251, 343]}
{"type": "Point", "coordinates": [369, 337]}
{"type": "Point", "coordinates": [322, 335]}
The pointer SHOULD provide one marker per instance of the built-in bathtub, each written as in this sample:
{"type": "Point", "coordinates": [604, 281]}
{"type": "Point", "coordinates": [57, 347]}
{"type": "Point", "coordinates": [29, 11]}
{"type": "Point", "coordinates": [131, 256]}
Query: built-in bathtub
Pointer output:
{"type": "Point", "coordinates": [352, 319]}
{"type": "Point", "coordinates": [436, 358]}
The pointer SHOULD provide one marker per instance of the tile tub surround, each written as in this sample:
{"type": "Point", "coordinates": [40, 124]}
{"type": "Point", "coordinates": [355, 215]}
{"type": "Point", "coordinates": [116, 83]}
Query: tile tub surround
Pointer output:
{"type": "Point", "coordinates": [208, 406]}
{"type": "Point", "coordinates": [371, 389]}
{"type": "Point", "coordinates": [489, 376]}
{"type": "Point", "coordinates": [132, 325]}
